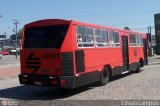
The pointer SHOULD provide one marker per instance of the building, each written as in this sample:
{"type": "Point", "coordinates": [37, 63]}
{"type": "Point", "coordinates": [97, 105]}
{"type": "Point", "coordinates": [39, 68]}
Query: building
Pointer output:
{"type": "Point", "coordinates": [4, 42]}
{"type": "Point", "coordinates": [153, 45]}
{"type": "Point", "coordinates": [157, 32]}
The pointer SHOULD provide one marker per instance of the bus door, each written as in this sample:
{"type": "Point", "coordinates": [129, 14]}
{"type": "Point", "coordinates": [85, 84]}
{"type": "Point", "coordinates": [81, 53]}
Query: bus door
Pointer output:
{"type": "Point", "coordinates": [145, 51]}
{"type": "Point", "coordinates": [125, 55]}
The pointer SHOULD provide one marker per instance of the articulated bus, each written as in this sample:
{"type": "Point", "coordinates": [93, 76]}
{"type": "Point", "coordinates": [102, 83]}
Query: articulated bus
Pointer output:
{"type": "Point", "coordinates": [69, 54]}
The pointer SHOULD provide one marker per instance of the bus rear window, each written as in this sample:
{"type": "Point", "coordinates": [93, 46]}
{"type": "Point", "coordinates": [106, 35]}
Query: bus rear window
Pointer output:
{"type": "Point", "coordinates": [45, 37]}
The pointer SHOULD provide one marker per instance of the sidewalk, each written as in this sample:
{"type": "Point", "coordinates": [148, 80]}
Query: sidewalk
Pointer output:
{"type": "Point", "coordinates": [154, 60]}
{"type": "Point", "coordinates": [8, 72]}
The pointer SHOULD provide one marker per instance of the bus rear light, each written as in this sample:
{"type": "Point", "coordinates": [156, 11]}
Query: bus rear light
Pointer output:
{"type": "Point", "coordinates": [63, 82]}
{"type": "Point", "coordinates": [25, 76]}
{"type": "Point", "coordinates": [52, 77]}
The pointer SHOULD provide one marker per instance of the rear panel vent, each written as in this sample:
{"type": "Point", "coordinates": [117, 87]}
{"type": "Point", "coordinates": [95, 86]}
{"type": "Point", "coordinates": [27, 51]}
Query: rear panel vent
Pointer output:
{"type": "Point", "coordinates": [67, 64]}
{"type": "Point", "coordinates": [79, 56]}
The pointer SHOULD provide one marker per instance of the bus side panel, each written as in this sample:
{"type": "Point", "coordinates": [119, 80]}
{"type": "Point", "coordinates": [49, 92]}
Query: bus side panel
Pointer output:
{"type": "Point", "coordinates": [96, 59]}
{"type": "Point", "coordinates": [140, 53]}
{"type": "Point", "coordinates": [67, 52]}
{"type": "Point", "coordinates": [67, 45]}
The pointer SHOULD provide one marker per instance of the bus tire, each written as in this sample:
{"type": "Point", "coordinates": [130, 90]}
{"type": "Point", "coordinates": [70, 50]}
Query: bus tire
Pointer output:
{"type": "Point", "coordinates": [104, 77]}
{"type": "Point", "coordinates": [138, 68]}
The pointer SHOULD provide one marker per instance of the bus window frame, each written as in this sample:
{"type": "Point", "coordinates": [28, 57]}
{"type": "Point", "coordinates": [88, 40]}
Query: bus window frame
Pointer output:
{"type": "Point", "coordinates": [130, 40]}
{"type": "Point", "coordinates": [139, 44]}
{"type": "Point", "coordinates": [114, 43]}
{"type": "Point", "coordinates": [100, 34]}
{"type": "Point", "coordinates": [85, 34]}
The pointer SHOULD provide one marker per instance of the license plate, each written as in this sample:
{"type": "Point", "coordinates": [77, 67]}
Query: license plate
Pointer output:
{"type": "Point", "coordinates": [37, 83]}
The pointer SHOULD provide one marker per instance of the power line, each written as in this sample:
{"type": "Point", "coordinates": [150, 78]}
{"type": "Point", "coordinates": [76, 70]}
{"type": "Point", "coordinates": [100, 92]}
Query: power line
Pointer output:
{"type": "Point", "coordinates": [152, 27]}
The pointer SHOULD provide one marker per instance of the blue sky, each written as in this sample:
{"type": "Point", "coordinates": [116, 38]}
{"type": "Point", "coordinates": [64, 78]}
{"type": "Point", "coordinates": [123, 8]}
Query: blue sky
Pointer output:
{"type": "Point", "coordinates": [116, 13]}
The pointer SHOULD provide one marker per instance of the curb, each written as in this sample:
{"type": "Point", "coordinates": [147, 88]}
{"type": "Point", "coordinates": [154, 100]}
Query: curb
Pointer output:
{"type": "Point", "coordinates": [154, 63]}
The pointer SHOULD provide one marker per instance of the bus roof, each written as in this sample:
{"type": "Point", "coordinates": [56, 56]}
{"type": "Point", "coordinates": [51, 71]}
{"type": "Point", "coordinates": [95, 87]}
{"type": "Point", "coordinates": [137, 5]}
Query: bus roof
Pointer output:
{"type": "Point", "coordinates": [105, 27]}
{"type": "Point", "coordinates": [46, 22]}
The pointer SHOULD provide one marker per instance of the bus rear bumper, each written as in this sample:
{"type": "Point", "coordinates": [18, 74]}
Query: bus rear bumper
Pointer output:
{"type": "Point", "coordinates": [69, 82]}
{"type": "Point", "coordinates": [49, 81]}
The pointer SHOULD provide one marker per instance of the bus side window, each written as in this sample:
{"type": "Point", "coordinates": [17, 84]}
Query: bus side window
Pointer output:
{"type": "Point", "coordinates": [139, 40]}
{"type": "Point", "coordinates": [132, 40]}
{"type": "Point", "coordinates": [101, 38]}
{"type": "Point", "coordinates": [114, 39]}
{"type": "Point", "coordinates": [80, 35]}
{"type": "Point", "coordinates": [85, 36]}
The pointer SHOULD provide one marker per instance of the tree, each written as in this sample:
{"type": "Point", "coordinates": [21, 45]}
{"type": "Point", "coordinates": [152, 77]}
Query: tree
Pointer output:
{"type": "Point", "coordinates": [13, 37]}
{"type": "Point", "coordinates": [19, 35]}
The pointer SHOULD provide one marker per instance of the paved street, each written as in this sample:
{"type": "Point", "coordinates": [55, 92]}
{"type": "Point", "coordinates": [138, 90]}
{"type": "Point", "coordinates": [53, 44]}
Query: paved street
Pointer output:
{"type": "Point", "coordinates": [9, 66]}
{"type": "Point", "coordinates": [134, 86]}
{"type": "Point", "coordinates": [9, 60]}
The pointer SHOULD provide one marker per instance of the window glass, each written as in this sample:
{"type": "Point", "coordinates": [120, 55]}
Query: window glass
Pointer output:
{"type": "Point", "coordinates": [104, 36]}
{"type": "Point", "coordinates": [101, 38]}
{"type": "Point", "coordinates": [98, 37]}
{"type": "Point", "coordinates": [45, 37]}
{"type": "Point", "coordinates": [89, 35]}
{"type": "Point", "coordinates": [81, 34]}
{"type": "Point", "coordinates": [133, 40]}
{"type": "Point", "coordinates": [85, 36]}
{"type": "Point", "coordinates": [139, 40]}
{"type": "Point", "coordinates": [114, 39]}
{"type": "Point", "coordinates": [116, 36]}
{"type": "Point", "coordinates": [111, 36]}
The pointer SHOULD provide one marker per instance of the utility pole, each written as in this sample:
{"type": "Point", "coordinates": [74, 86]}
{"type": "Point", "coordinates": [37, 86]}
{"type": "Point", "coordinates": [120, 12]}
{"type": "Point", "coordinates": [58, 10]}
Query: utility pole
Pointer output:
{"type": "Point", "coordinates": [5, 35]}
{"type": "Point", "coordinates": [150, 41]}
{"type": "Point", "coordinates": [0, 17]}
{"type": "Point", "coordinates": [16, 26]}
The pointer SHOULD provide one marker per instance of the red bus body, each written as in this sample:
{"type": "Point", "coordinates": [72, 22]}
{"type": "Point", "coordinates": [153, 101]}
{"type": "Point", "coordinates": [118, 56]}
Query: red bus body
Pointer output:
{"type": "Point", "coordinates": [70, 66]}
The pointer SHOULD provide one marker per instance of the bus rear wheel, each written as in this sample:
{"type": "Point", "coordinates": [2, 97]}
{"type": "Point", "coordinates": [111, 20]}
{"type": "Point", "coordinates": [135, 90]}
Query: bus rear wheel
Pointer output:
{"type": "Point", "coordinates": [104, 78]}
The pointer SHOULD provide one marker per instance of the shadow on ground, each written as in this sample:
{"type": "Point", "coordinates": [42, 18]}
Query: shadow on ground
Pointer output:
{"type": "Point", "coordinates": [47, 93]}
{"type": "Point", "coordinates": [39, 93]}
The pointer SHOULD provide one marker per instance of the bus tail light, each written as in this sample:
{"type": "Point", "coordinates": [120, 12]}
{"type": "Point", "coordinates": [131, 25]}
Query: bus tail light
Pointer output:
{"type": "Point", "coordinates": [63, 82]}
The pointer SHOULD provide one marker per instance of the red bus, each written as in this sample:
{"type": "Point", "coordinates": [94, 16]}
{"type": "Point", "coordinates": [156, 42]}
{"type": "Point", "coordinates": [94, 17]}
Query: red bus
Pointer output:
{"type": "Point", "coordinates": [69, 54]}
